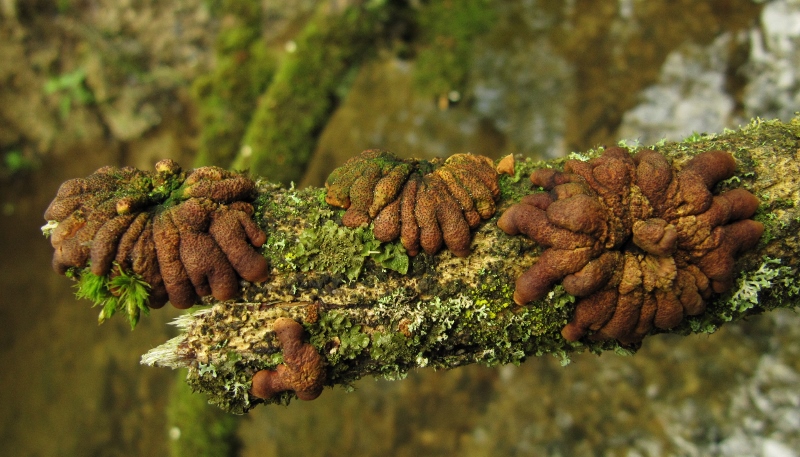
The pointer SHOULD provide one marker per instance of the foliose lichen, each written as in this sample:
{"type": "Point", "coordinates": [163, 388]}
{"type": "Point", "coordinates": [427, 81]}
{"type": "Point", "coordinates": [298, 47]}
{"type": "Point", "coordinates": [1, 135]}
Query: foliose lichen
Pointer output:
{"type": "Point", "coordinates": [337, 249]}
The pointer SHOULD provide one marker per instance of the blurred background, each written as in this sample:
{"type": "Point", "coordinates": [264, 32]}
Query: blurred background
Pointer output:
{"type": "Point", "coordinates": [291, 89]}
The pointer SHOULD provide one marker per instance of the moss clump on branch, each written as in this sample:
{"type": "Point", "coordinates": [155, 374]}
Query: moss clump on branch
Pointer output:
{"type": "Point", "coordinates": [124, 292]}
{"type": "Point", "coordinates": [449, 311]}
{"type": "Point", "coordinates": [340, 250]}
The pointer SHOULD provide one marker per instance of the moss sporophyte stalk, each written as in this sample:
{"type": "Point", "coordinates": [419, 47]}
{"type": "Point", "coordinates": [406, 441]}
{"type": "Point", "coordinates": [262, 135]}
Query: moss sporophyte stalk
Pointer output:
{"type": "Point", "coordinates": [369, 307]}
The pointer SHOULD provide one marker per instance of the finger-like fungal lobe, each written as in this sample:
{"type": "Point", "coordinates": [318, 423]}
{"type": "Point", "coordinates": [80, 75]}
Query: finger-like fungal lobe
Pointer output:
{"type": "Point", "coordinates": [640, 243]}
{"type": "Point", "coordinates": [427, 204]}
{"type": "Point", "coordinates": [302, 370]}
{"type": "Point", "coordinates": [186, 234]}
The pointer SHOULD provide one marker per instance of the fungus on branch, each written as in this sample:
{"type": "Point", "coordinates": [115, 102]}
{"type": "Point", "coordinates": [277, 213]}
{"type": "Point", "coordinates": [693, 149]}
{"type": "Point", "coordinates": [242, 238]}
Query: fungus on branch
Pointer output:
{"type": "Point", "coordinates": [187, 235]}
{"type": "Point", "coordinates": [641, 244]}
{"type": "Point", "coordinates": [302, 371]}
{"type": "Point", "coordinates": [424, 203]}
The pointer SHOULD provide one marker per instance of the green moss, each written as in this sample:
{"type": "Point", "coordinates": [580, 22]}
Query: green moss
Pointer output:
{"type": "Point", "coordinates": [227, 96]}
{"type": "Point", "coordinates": [120, 291]}
{"type": "Point", "coordinates": [292, 112]}
{"type": "Point", "coordinates": [391, 256]}
{"type": "Point", "coordinates": [510, 187]}
{"type": "Point", "coordinates": [283, 210]}
{"type": "Point", "coordinates": [384, 352]}
{"type": "Point", "coordinates": [196, 428]}
{"type": "Point", "coordinates": [448, 30]}
{"type": "Point", "coordinates": [341, 339]}
{"type": "Point", "coordinates": [513, 188]}
{"type": "Point", "coordinates": [333, 249]}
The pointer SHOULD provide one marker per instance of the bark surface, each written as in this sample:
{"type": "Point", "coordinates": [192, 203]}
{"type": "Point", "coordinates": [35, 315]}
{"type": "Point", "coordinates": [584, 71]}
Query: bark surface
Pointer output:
{"type": "Point", "coordinates": [370, 310]}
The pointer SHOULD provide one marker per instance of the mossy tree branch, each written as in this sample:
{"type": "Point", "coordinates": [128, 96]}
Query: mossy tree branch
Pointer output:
{"type": "Point", "coordinates": [308, 84]}
{"type": "Point", "coordinates": [371, 310]}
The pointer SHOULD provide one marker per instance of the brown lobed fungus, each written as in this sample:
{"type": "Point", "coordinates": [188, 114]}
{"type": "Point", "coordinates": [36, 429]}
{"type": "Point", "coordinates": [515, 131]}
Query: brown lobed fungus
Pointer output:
{"type": "Point", "coordinates": [186, 235]}
{"type": "Point", "coordinates": [302, 371]}
{"type": "Point", "coordinates": [426, 204]}
{"type": "Point", "coordinates": [641, 244]}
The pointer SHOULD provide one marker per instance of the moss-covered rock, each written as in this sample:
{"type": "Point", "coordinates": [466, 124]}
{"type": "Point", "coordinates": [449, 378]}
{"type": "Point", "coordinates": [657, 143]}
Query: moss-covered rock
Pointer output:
{"type": "Point", "coordinates": [290, 115]}
{"type": "Point", "coordinates": [227, 96]}
{"type": "Point", "coordinates": [447, 31]}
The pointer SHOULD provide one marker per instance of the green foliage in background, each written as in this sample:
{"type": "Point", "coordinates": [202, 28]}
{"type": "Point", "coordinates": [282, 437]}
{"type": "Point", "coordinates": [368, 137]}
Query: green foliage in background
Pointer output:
{"type": "Point", "coordinates": [265, 113]}
{"type": "Point", "coordinates": [16, 162]}
{"type": "Point", "coordinates": [227, 96]}
{"type": "Point", "coordinates": [447, 32]}
{"type": "Point", "coordinates": [197, 429]}
{"type": "Point", "coordinates": [293, 111]}
{"type": "Point", "coordinates": [71, 89]}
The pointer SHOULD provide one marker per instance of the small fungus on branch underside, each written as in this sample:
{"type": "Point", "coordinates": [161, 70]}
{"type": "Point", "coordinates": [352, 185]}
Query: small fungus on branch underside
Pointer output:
{"type": "Point", "coordinates": [302, 371]}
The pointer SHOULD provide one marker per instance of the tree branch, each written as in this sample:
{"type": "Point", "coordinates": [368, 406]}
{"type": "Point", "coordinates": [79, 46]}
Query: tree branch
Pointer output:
{"type": "Point", "coordinates": [369, 309]}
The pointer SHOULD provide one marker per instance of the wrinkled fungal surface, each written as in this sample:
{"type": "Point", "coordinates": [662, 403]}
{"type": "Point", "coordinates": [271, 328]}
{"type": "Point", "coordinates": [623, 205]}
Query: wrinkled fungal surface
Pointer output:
{"type": "Point", "coordinates": [302, 371]}
{"type": "Point", "coordinates": [187, 235]}
{"type": "Point", "coordinates": [641, 243]}
{"type": "Point", "coordinates": [427, 204]}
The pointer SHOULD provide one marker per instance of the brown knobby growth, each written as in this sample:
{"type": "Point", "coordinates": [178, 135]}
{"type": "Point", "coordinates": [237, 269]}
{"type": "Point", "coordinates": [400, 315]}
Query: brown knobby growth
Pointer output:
{"type": "Point", "coordinates": [187, 235]}
{"type": "Point", "coordinates": [641, 243]}
{"type": "Point", "coordinates": [427, 204]}
{"type": "Point", "coordinates": [302, 371]}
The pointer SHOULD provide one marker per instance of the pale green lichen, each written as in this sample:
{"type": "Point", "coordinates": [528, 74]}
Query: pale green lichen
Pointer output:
{"type": "Point", "coordinates": [470, 319]}
{"type": "Point", "coordinates": [335, 249]}
{"type": "Point", "coordinates": [234, 382]}
{"type": "Point", "coordinates": [582, 157]}
{"type": "Point", "coordinates": [47, 229]}
{"type": "Point", "coordinates": [337, 336]}
{"type": "Point", "coordinates": [769, 274]}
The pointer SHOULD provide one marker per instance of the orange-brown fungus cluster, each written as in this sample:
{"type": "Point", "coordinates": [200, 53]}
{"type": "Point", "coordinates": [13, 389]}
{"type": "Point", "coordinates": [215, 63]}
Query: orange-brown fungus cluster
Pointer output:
{"type": "Point", "coordinates": [302, 371]}
{"type": "Point", "coordinates": [641, 244]}
{"type": "Point", "coordinates": [425, 204]}
{"type": "Point", "coordinates": [186, 235]}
